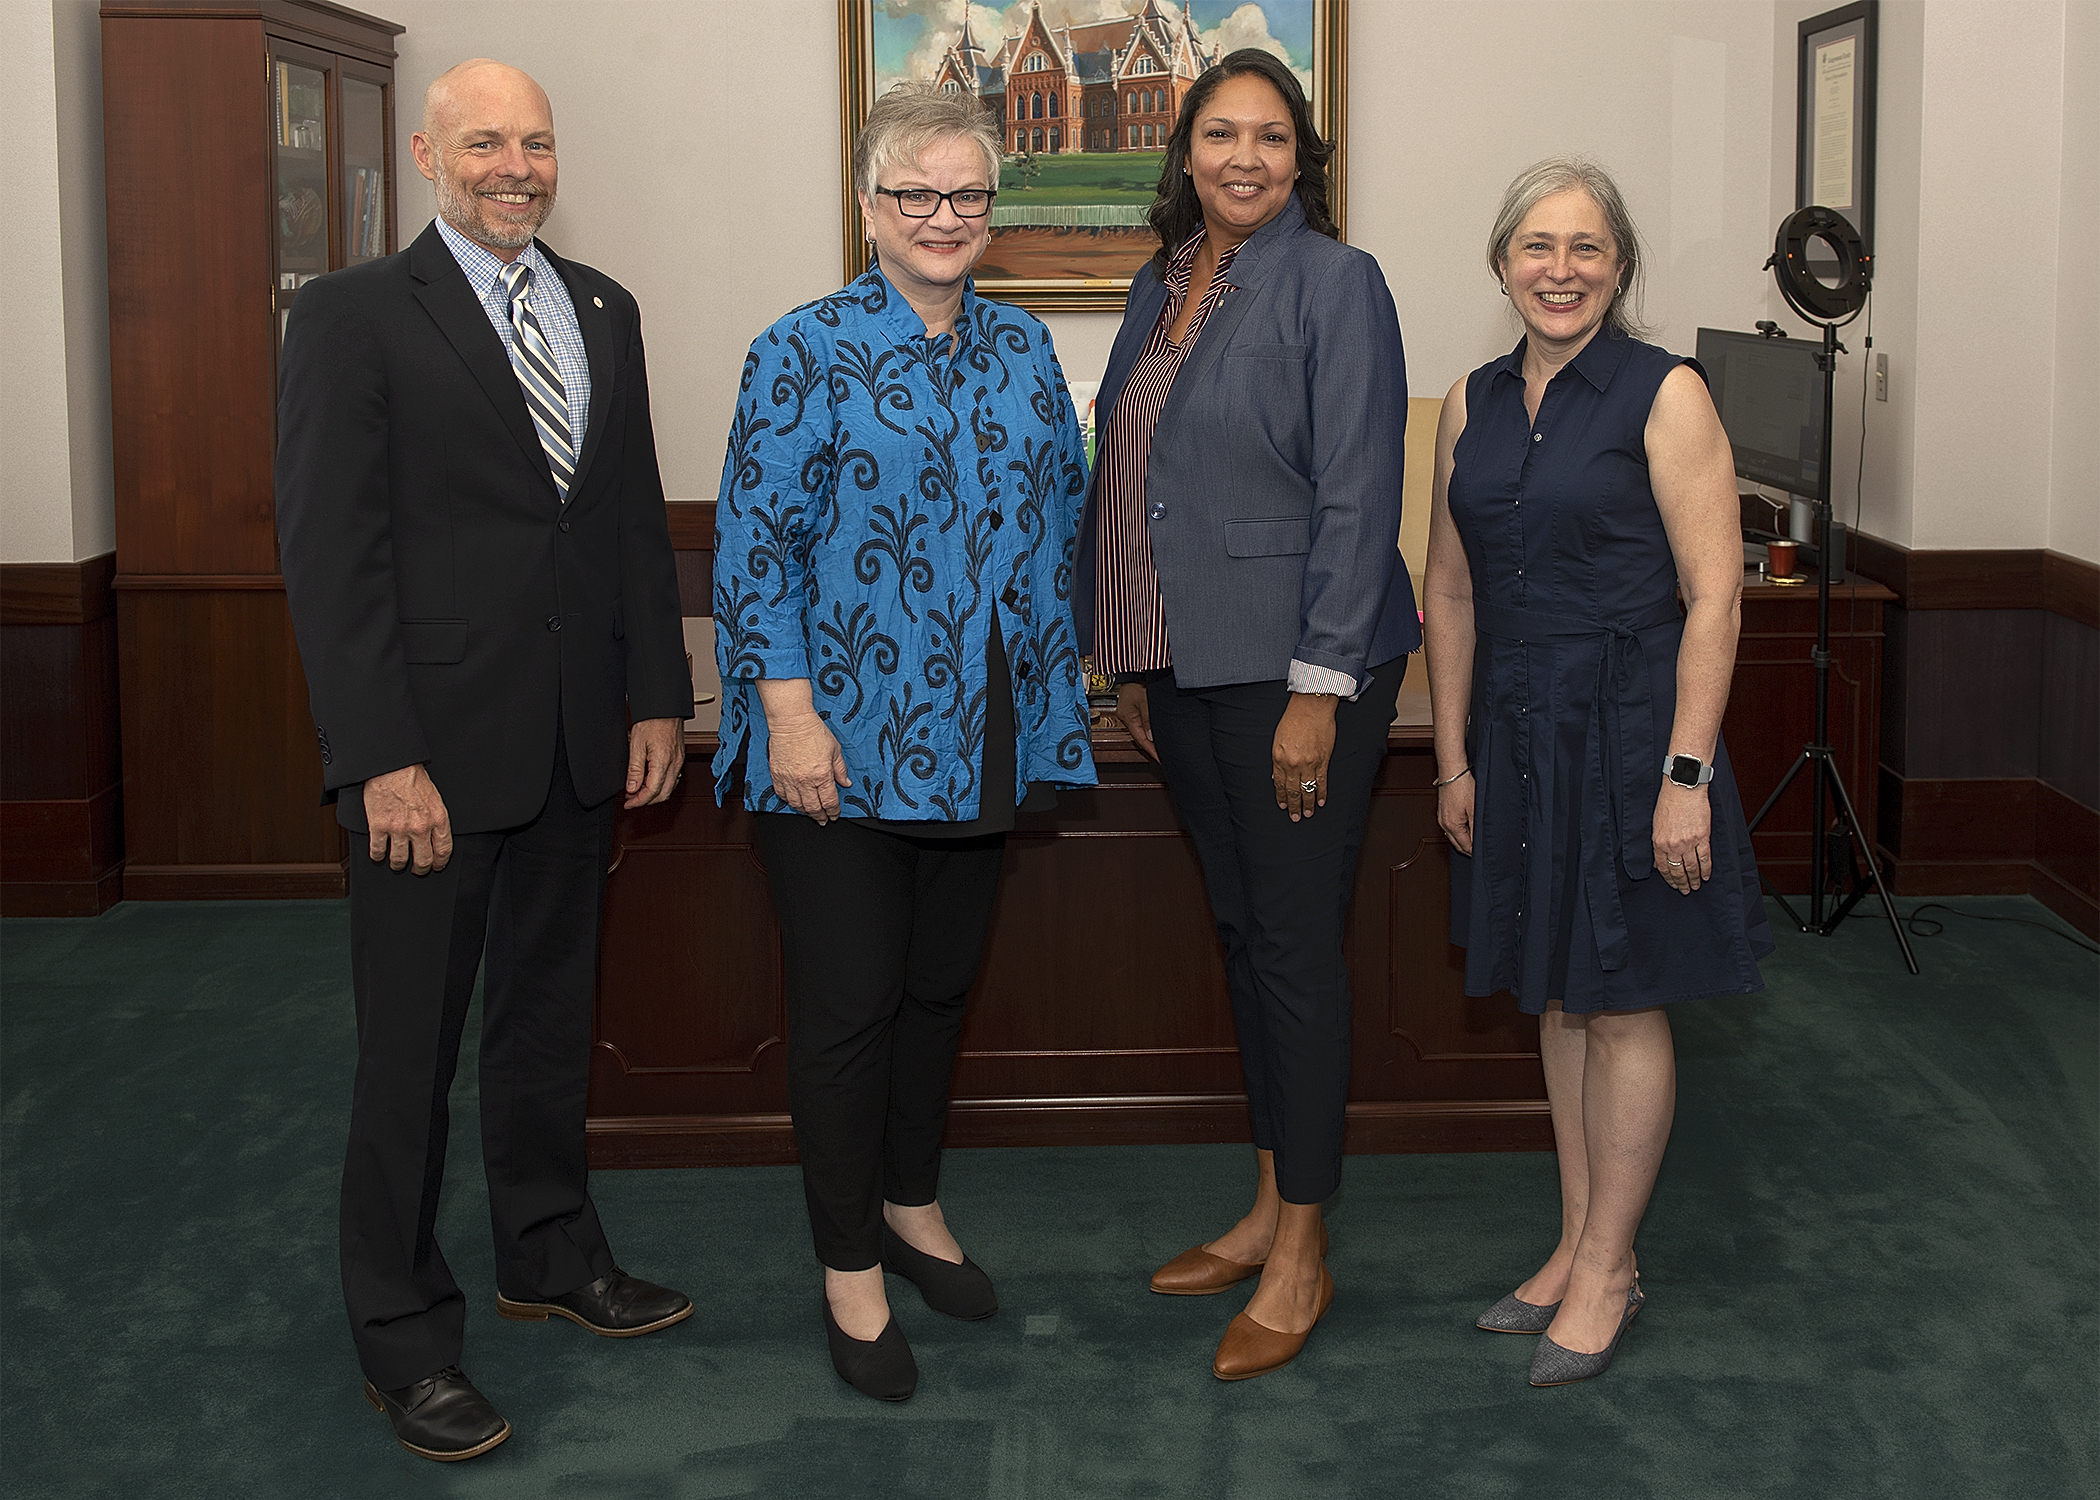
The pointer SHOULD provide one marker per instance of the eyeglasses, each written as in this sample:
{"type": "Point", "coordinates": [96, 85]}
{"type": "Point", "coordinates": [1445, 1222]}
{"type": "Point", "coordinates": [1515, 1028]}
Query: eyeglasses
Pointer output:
{"type": "Point", "coordinates": [924, 203]}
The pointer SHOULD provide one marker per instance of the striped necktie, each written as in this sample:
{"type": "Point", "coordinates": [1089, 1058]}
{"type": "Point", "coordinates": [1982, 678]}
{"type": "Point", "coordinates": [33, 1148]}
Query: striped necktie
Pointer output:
{"type": "Point", "coordinates": [533, 359]}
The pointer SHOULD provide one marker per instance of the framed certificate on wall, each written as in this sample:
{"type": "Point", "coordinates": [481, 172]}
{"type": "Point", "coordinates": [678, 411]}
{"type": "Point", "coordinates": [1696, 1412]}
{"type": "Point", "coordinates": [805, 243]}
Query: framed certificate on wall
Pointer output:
{"type": "Point", "coordinates": [1834, 114]}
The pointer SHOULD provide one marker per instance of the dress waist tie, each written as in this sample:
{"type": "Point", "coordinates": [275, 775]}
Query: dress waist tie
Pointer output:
{"type": "Point", "coordinates": [1621, 765]}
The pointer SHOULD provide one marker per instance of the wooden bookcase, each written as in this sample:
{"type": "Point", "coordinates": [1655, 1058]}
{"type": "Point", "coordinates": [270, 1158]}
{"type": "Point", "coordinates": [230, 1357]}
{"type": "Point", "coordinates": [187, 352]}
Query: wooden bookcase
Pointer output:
{"type": "Point", "coordinates": [248, 149]}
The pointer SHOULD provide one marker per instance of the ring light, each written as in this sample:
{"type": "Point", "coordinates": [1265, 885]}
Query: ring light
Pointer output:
{"type": "Point", "coordinates": [1807, 293]}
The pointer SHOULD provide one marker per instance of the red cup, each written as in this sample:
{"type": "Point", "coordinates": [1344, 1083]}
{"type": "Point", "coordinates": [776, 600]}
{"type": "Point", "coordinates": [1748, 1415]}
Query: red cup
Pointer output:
{"type": "Point", "coordinates": [1779, 558]}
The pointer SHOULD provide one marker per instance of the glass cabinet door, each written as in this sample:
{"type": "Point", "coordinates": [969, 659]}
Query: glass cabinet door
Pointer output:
{"type": "Point", "coordinates": [365, 199]}
{"type": "Point", "coordinates": [299, 207]}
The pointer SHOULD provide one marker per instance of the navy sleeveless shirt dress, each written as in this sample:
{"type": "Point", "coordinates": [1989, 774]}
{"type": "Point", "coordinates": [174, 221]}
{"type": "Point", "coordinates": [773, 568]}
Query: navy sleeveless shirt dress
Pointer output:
{"type": "Point", "coordinates": [1577, 627]}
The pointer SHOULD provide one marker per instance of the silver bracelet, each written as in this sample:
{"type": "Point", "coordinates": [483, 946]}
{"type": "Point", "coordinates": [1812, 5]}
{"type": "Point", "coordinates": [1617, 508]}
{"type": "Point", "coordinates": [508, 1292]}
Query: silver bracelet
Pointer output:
{"type": "Point", "coordinates": [1436, 785]}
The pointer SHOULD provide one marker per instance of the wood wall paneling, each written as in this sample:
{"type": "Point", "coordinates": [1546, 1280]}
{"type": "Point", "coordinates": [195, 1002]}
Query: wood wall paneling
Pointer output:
{"type": "Point", "coordinates": [2018, 578]}
{"type": "Point", "coordinates": [1974, 580]}
{"type": "Point", "coordinates": [1991, 772]}
{"type": "Point", "coordinates": [2071, 588]}
{"type": "Point", "coordinates": [2066, 834]}
{"type": "Point", "coordinates": [2069, 748]}
{"type": "Point", "coordinates": [222, 781]}
{"type": "Point", "coordinates": [57, 593]}
{"type": "Point", "coordinates": [1972, 692]}
{"type": "Point", "coordinates": [61, 816]}
{"type": "Point", "coordinates": [1975, 836]}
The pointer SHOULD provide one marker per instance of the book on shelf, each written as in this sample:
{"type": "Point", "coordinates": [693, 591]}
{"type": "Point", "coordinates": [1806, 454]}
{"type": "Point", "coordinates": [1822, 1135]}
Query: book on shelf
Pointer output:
{"type": "Point", "coordinates": [358, 194]}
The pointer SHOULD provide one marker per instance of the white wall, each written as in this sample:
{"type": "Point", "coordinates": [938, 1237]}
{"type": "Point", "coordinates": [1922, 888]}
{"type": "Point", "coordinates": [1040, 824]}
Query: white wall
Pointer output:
{"type": "Point", "coordinates": [1448, 102]}
{"type": "Point", "coordinates": [55, 489]}
{"type": "Point", "coordinates": [1990, 145]}
{"type": "Point", "coordinates": [2074, 447]}
{"type": "Point", "coordinates": [654, 142]}
{"type": "Point", "coordinates": [1988, 439]}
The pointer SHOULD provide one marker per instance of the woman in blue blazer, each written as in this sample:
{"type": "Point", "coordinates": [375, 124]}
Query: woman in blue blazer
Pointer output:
{"type": "Point", "coordinates": [1239, 577]}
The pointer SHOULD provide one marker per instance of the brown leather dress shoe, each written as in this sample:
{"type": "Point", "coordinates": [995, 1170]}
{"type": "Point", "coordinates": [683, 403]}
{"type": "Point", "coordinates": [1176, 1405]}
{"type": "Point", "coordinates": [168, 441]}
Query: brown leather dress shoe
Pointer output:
{"type": "Point", "coordinates": [1250, 1348]}
{"type": "Point", "coordinates": [1196, 1272]}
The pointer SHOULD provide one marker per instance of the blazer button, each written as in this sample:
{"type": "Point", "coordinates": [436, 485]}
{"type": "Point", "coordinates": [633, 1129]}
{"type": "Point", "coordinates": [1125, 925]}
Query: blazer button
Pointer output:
{"type": "Point", "coordinates": [564, 525]}
{"type": "Point", "coordinates": [554, 622]}
{"type": "Point", "coordinates": [1157, 512]}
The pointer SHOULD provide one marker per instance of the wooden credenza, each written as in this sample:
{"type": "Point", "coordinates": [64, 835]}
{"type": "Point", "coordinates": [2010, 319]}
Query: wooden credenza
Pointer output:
{"type": "Point", "coordinates": [1100, 1015]}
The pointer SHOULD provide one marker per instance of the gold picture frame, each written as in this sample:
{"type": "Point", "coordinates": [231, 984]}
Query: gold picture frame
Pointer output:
{"type": "Point", "coordinates": [1051, 253]}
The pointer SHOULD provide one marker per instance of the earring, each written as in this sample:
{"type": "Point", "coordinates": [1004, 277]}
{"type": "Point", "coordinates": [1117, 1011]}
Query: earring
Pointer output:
{"type": "Point", "coordinates": [1505, 289]}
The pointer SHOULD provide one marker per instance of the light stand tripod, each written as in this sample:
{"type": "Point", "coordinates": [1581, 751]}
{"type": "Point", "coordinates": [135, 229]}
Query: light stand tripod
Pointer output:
{"type": "Point", "coordinates": [1825, 304]}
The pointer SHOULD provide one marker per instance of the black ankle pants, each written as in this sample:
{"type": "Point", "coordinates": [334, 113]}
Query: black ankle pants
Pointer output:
{"type": "Point", "coordinates": [1279, 892]}
{"type": "Point", "coordinates": [881, 934]}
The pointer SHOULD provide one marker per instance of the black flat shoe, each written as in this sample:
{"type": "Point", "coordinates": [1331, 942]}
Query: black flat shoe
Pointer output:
{"type": "Point", "coordinates": [961, 1291]}
{"type": "Point", "coordinates": [441, 1416]}
{"type": "Point", "coordinates": [881, 1367]}
{"type": "Point", "coordinates": [615, 1306]}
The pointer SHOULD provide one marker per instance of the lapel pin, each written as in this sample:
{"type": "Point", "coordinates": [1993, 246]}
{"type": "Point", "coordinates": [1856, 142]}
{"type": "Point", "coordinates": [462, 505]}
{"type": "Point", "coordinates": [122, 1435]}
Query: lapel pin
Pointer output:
{"type": "Point", "coordinates": [597, 302]}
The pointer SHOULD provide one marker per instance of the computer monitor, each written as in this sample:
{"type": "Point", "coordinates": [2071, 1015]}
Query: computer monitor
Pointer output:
{"type": "Point", "coordinates": [1770, 396]}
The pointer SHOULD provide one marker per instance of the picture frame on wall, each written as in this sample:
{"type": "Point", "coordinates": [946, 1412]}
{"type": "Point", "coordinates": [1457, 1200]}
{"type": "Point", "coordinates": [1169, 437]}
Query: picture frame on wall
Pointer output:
{"type": "Point", "coordinates": [1084, 107]}
{"type": "Point", "coordinates": [1834, 113]}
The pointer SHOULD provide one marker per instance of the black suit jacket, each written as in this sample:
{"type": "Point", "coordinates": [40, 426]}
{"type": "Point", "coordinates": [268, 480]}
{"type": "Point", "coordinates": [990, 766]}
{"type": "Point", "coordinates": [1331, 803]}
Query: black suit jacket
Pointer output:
{"type": "Point", "coordinates": [448, 605]}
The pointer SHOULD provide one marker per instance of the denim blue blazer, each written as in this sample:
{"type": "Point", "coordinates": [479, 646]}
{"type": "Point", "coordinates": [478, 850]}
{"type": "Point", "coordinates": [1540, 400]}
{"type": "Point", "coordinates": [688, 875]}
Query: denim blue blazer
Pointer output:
{"type": "Point", "coordinates": [1273, 487]}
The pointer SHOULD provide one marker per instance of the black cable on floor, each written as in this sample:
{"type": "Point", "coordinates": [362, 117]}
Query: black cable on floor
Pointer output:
{"type": "Point", "coordinates": [1926, 927]}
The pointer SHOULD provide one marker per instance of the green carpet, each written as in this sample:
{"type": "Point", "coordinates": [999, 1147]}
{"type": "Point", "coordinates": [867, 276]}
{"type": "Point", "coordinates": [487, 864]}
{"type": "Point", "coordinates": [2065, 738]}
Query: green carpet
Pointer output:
{"type": "Point", "coordinates": [1870, 1264]}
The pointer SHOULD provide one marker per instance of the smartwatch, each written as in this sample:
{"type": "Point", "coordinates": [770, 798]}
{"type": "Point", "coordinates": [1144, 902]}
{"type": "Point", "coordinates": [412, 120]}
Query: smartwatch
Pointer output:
{"type": "Point", "coordinates": [1687, 771]}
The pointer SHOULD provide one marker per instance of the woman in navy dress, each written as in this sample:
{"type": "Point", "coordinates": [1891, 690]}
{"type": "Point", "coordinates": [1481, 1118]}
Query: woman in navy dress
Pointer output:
{"type": "Point", "coordinates": [1602, 869]}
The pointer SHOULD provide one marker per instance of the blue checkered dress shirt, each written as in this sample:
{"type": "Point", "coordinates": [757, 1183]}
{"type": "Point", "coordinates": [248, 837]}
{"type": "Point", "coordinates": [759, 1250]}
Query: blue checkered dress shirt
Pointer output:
{"type": "Point", "coordinates": [557, 315]}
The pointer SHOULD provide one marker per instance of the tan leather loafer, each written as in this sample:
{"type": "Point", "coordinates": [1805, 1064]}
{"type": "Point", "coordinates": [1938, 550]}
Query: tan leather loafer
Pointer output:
{"type": "Point", "coordinates": [1250, 1348]}
{"type": "Point", "coordinates": [1196, 1272]}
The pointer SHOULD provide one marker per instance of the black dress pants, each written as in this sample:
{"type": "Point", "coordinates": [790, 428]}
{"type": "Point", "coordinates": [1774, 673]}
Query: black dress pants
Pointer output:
{"type": "Point", "coordinates": [1279, 892]}
{"type": "Point", "coordinates": [530, 897]}
{"type": "Point", "coordinates": [882, 935]}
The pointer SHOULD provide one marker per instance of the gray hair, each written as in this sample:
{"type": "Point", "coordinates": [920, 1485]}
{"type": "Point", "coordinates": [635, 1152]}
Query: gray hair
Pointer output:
{"type": "Point", "coordinates": [913, 116]}
{"type": "Point", "coordinates": [1557, 174]}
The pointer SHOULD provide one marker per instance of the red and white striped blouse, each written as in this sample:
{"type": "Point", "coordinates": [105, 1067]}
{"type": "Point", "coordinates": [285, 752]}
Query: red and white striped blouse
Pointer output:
{"type": "Point", "coordinates": [1130, 618]}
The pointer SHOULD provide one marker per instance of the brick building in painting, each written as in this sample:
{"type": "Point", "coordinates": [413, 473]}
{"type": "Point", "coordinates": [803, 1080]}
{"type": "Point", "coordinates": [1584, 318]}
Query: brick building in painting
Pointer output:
{"type": "Point", "coordinates": [1108, 86]}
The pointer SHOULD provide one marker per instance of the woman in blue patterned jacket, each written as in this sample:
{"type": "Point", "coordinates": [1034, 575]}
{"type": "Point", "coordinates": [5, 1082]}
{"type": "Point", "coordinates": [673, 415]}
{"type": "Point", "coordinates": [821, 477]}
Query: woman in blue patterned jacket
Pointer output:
{"type": "Point", "coordinates": [894, 628]}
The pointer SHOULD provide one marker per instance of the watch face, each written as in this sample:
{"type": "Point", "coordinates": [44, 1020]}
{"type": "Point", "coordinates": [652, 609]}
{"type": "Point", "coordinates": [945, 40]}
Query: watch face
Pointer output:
{"type": "Point", "coordinates": [1684, 770]}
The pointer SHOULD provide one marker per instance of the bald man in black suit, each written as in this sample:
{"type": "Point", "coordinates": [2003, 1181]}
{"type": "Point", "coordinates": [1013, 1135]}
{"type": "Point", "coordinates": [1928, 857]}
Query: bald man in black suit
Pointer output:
{"type": "Point", "coordinates": [479, 571]}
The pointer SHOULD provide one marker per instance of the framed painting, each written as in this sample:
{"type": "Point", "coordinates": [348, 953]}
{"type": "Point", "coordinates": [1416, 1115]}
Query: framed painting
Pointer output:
{"type": "Point", "coordinates": [1084, 94]}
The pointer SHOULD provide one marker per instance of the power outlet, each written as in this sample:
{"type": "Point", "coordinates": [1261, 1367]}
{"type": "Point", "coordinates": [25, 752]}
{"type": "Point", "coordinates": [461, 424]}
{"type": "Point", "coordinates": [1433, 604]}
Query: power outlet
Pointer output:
{"type": "Point", "coordinates": [1881, 377]}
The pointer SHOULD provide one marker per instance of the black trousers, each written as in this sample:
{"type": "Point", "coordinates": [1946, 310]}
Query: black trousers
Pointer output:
{"type": "Point", "coordinates": [1279, 892]}
{"type": "Point", "coordinates": [530, 897]}
{"type": "Point", "coordinates": [882, 935]}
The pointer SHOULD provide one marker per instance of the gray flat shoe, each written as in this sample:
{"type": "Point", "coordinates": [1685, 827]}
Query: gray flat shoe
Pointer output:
{"type": "Point", "coordinates": [1553, 1365]}
{"type": "Point", "coordinates": [1514, 1315]}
